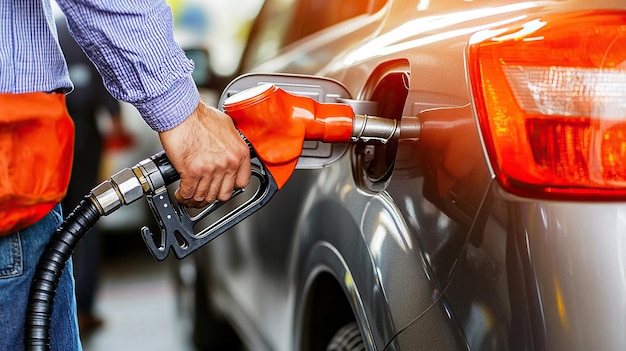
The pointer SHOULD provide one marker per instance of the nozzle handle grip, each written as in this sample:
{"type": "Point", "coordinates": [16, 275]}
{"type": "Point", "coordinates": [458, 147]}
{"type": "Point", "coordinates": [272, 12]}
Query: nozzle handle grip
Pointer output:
{"type": "Point", "coordinates": [178, 227]}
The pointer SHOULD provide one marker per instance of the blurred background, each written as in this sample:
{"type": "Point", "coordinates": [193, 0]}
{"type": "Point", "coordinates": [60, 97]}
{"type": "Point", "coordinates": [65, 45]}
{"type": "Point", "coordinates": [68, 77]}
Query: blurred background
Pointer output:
{"type": "Point", "coordinates": [136, 295]}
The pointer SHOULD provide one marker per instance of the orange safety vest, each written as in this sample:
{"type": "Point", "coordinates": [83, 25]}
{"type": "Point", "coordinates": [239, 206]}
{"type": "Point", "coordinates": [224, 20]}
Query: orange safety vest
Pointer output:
{"type": "Point", "coordinates": [36, 150]}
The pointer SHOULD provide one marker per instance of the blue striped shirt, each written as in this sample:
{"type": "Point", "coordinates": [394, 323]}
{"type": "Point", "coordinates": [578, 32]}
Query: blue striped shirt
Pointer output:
{"type": "Point", "coordinates": [130, 41]}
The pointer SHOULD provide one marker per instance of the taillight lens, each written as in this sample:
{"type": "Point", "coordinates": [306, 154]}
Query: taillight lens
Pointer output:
{"type": "Point", "coordinates": [551, 102]}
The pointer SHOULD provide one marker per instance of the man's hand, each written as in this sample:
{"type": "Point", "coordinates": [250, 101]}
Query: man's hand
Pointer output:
{"type": "Point", "coordinates": [210, 156]}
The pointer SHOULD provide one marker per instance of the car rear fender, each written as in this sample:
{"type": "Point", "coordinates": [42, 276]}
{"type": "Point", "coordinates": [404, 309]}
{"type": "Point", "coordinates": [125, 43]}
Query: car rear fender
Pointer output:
{"type": "Point", "coordinates": [352, 236]}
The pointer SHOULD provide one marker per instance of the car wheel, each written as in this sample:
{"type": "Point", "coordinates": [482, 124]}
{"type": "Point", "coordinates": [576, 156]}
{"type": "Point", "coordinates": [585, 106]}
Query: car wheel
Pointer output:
{"type": "Point", "coordinates": [347, 338]}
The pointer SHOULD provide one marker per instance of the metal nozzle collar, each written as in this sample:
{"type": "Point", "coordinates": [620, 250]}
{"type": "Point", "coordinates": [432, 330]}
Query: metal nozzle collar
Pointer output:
{"type": "Point", "coordinates": [151, 174]}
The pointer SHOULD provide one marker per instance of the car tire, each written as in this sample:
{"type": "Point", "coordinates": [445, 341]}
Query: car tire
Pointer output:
{"type": "Point", "coordinates": [347, 338]}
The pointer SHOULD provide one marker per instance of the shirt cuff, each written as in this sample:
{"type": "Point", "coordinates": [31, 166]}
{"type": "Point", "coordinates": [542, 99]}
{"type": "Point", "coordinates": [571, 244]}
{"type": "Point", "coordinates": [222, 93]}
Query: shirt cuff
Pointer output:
{"type": "Point", "coordinates": [172, 107]}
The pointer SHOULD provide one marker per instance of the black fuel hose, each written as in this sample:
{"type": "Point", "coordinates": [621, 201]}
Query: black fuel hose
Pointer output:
{"type": "Point", "coordinates": [48, 273]}
{"type": "Point", "coordinates": [65, 239]}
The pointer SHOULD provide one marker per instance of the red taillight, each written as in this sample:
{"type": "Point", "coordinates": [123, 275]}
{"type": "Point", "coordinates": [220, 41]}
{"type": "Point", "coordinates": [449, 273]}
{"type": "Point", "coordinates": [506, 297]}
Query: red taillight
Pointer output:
{"type": "Point", "coordinates": [551, 102]}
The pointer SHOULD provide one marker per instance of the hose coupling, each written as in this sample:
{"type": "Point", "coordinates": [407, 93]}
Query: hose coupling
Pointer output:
{"type": "Point", "coordinates": [121, 189]}
{"type": "Point", "coordinates": [127, 186]}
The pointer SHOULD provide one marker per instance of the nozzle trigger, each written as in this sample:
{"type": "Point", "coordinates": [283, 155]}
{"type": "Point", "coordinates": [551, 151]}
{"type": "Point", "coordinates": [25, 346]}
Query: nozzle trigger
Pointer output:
{"type": "Point", "coordinates": [177, 225]}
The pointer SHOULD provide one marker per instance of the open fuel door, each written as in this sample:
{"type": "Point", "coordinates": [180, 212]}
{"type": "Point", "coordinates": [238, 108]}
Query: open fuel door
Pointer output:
{"type": "Point", "coordinates": [315, 154]}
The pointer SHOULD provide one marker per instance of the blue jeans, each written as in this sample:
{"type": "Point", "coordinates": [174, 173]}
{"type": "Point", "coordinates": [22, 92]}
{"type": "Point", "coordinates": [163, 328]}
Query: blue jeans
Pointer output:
{"type": "Point", "coordinates": [19, 254]}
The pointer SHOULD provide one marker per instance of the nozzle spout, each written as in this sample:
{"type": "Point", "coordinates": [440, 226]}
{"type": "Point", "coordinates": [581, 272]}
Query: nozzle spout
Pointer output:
{"type": "Point", "coordinates": [379, 129]}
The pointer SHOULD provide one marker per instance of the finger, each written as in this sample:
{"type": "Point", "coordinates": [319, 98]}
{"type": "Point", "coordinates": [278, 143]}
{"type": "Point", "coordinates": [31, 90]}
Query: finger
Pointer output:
{"type": "Point", "coordinates": [202, 195]}
{"type": "Point", "coordinates": [226, 187]}
{"type": "Point", "coordinates": [213, 189]}
{"type": "Point", "coordinates": [186, 191]}
{"type": "Point", "coordinates": [242, 178]}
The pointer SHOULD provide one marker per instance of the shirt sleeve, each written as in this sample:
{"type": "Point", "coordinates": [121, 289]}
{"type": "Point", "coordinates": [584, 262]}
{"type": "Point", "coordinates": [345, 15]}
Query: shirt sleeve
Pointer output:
{"type": "Point", "coordinates": [131, 42]}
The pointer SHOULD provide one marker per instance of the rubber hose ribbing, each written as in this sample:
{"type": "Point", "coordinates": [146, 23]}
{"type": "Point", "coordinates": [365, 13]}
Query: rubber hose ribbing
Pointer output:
{"type": "Point", "coordinates": [48, 273]}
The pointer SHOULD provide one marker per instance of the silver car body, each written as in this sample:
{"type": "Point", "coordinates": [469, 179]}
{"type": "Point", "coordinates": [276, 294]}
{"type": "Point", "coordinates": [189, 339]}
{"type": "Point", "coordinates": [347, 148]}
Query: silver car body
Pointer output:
{"type": "Point", "coordinates": [417, 240]}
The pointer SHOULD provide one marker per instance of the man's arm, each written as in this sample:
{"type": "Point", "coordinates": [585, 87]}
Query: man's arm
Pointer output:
{"type": "Point", "coordinates": [131, 43]}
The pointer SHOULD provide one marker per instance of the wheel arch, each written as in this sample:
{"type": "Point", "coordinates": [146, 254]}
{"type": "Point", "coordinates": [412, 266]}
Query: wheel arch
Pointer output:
{"type": "Point", "coordinates": [334, 272]}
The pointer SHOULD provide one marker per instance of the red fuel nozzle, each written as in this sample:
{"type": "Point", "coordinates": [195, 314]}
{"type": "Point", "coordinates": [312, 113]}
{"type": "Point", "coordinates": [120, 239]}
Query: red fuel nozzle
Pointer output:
{"type": "Point", "coordinates": [277, 123]}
